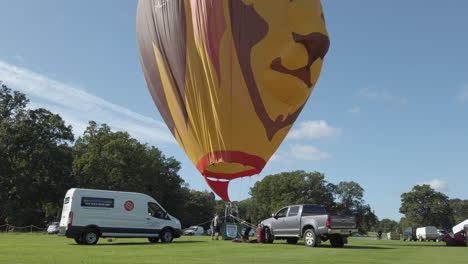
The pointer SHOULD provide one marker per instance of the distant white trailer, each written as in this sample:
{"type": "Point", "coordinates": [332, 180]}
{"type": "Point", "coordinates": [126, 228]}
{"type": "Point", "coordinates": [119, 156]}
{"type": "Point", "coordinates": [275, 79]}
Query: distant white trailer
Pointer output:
{"type": "Point", "coordinates": [427, 233]}
{"type": "Point", "coordinates": [460, 226]}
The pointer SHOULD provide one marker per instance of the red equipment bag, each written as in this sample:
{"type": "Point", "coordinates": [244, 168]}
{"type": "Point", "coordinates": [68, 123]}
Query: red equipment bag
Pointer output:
{"type": "Point", "coordinates": [260, 235]}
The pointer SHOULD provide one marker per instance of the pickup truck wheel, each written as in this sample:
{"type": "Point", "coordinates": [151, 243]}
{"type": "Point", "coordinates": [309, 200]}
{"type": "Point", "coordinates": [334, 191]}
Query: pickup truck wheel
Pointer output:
{"type": "Point", "coordinates": [337, 241]}
{"type": "Point", "coordinates": [310, 238]}
{"type": "Point", "coordinates": [78, 240]}
{"type": "Point", "coordinates": [153, 239]}
{"type": "Point", "coordinates": [268, 236]}
{"type": "Point", "coordinates": [292, 240]}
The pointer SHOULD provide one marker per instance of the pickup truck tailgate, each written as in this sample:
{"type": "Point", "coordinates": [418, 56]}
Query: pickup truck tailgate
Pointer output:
{"type": "Point", "coordinates": [342, 222]}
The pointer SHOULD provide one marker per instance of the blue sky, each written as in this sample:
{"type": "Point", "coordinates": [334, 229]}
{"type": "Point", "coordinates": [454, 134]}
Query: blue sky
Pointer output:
{"type": "Point", "coordinates": [389, 112]}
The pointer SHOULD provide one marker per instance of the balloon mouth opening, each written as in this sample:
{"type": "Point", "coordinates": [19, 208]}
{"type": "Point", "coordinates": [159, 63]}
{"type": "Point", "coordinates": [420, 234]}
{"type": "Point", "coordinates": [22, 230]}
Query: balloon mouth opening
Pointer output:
{"type": "Point", "coordinates": [220, 167]}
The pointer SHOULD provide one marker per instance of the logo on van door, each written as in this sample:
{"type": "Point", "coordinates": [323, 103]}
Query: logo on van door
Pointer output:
{"type": "Point", "coordinates": [129, 205]}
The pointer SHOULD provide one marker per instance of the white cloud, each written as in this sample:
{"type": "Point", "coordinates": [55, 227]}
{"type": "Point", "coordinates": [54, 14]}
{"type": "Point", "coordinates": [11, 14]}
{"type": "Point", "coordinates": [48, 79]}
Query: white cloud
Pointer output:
{"type": "Point", "coordinates": [464, 94]}
{"type": "Point", "coordinates": [314, 129]}
{"type": "Point", "coordinates": [77, 107]}
{"type": "Point", "coordinates": [438, 185]}
{"type": "Point", "coordinates": [381, 95]}
{"type": "Point", "coordinates": [355, 110]}
{"type": "Point", "coordinates": [305, 152]}
{"type": "Point", "coordinates": [298, 152]}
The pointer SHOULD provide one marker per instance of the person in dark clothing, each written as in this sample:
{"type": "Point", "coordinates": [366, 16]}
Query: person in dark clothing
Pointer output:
{"type": "Point", "coordinates": [247, 227]}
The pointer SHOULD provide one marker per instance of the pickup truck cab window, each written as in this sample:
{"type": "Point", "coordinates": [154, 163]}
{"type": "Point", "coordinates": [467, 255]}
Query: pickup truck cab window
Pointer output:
{"type": "Point", "coordinates": [282, 212]}
{"type": "Point", "coordinates": [310, 210]}
{"type": "Point", "coordinates": [294, 210]}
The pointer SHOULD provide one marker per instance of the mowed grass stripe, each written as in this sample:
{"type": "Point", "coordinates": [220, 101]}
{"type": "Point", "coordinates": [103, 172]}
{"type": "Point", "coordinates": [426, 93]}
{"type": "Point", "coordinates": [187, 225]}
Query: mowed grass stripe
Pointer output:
{"type": "Point", "coordinates": [47, 249]}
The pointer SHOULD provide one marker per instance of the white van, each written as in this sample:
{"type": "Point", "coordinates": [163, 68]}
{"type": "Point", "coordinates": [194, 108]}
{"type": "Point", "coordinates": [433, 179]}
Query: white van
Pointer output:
{"type": "Point", "coordinates": [90, 214]}
{"type": "Point", "coordinates": [194, 231]}
{"type": "Point", "coordinates": [427, 233]}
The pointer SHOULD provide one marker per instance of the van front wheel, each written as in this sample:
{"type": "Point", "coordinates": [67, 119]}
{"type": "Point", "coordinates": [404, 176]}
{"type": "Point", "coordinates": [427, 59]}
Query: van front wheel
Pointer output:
{"type": "Point", "coordinates": [166, 236]}
{"type": "Point", "coordinates": [90, 237]}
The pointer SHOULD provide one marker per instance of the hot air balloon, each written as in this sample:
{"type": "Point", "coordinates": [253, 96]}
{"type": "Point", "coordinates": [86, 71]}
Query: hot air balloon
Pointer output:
{"type": "Point", "coordinates": [230, 77]}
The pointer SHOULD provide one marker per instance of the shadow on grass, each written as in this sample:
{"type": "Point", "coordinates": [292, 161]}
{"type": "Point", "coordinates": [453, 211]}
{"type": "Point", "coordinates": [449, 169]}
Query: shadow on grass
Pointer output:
{"type": "Point", "coordinates": [359, 247]}
{"type": "Point", "coordinates": [418, 245]}
{"type": "Point", "coordinates": [344, 248]}
{"type": "Point", "coordinates": [140, 243]}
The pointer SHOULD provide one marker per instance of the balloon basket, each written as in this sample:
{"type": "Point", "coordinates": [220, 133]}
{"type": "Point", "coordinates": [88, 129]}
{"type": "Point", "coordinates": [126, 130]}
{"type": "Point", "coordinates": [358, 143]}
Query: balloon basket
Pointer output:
{"type": "Point", "coordinates": [230, 231]}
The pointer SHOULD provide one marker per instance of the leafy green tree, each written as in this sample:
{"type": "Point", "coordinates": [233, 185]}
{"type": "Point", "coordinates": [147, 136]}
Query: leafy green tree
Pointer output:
{"type": "Point", "coordinates": [198, 208]}
{"type": "Point", "coordinates": [424, 206]}
{"type": "Point", "coordinates": [349, 197]}
{"type": "Point", "coordinates": [460, 209]}
{"type": "Point", "coordinates": [387, 225]}
{"type": "Point", "coordinates": [35, 161]}
{"type": "Point", "coordinates": [349, 201]}
{"type": "Point", "coordinates": [296, 187]}
{"type": "Point", "coordinates": [366, 218]}
{"type": "Point", "coordinates": [109, 160]}
{"type": "Point", "coordinates": [405, 223]}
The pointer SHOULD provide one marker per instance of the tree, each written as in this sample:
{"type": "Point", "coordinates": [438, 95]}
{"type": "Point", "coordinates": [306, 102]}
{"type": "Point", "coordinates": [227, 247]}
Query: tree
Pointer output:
{"type": "Point", "coordinates": [109, 160]}
{"type": "Point", "coordinates": [349, 201]}
{"type": "Point", "coordinates": [460, 209]}
{"type": "Point", "coordinates": [425, 207]}
{"type": "Point", "coordinates": [35, 161]}
{"type": "Point", "coordinates": [198, 208]}
{"type": "Point", "coordinates": [387, 225]}
{"type": "Point", "coordinates": [350, 197]}
{"type": "Point", "coordinates": [296, 187]}
{"type": "Point", "coordinates": [405, 223]}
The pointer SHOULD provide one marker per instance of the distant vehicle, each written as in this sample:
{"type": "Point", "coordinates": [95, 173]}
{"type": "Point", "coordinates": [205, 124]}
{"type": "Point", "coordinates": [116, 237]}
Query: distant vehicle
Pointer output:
{"type": "Point", "coordinates": [53, 228]}
{"type": "Point", "coordinates": [427, 233]}
{"type": "Point", "coordinates": [310, 222]}
{"type": "Point", "coordinates": [409, 234]}
{"type": "Point", "coordinates": [442, 234]}
{"type": "Point", "coordinates": [88, 215]}
{"type": "Point", "coordinates": [194, 231]}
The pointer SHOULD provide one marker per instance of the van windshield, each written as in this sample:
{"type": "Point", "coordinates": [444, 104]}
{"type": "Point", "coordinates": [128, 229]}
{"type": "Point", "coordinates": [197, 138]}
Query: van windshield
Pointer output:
{"type": "Point", "coordinates": [155, 211]}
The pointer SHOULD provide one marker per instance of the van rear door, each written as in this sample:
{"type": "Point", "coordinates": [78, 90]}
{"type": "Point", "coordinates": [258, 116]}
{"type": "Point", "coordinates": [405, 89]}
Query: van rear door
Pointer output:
{"type": "Point", "coordinates": [66, 213]}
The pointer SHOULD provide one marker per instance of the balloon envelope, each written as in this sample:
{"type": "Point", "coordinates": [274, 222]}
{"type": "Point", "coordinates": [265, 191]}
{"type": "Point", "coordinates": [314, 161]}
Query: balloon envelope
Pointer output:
{"type": "Point", "coordinates": [230, 77]}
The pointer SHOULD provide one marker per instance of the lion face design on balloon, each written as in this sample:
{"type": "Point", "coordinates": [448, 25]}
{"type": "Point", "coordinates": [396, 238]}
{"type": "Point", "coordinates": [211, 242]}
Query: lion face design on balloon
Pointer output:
{"type": "Point", "coordinates": [230, 77]}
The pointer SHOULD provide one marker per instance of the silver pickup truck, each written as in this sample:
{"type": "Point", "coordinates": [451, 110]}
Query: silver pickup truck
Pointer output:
{"type": "Point", "coordinates": [311, 223]}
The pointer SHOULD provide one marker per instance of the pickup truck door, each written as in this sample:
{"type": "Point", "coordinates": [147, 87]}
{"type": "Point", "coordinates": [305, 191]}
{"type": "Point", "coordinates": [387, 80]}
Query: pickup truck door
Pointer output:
{"type": "Point", "coordinates": [292, 223]}
{"type": "Point", "coordinates": [278, 223]}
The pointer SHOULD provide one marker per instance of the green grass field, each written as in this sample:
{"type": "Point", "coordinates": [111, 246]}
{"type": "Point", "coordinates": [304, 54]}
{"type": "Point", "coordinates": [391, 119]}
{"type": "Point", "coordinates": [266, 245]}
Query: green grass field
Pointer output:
{"type": "Point", "coordinates": [49, 249]}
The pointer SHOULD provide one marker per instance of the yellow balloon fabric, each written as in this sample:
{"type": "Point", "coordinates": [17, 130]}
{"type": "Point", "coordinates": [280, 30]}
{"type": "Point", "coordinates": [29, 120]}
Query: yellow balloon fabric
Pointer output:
{"type": "Point", "coordinates": [230, 77]}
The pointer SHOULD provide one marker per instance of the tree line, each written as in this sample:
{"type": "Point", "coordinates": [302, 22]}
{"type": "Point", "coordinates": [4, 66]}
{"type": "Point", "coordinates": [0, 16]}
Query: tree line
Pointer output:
{"type": "Point", "coordinates": [40, 159]}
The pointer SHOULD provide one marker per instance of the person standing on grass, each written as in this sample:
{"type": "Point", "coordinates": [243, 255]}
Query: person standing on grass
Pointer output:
{"type": "Point", "coordinates": [216, 225]}
{"type": "Point", "coordinates": [212, 228]}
